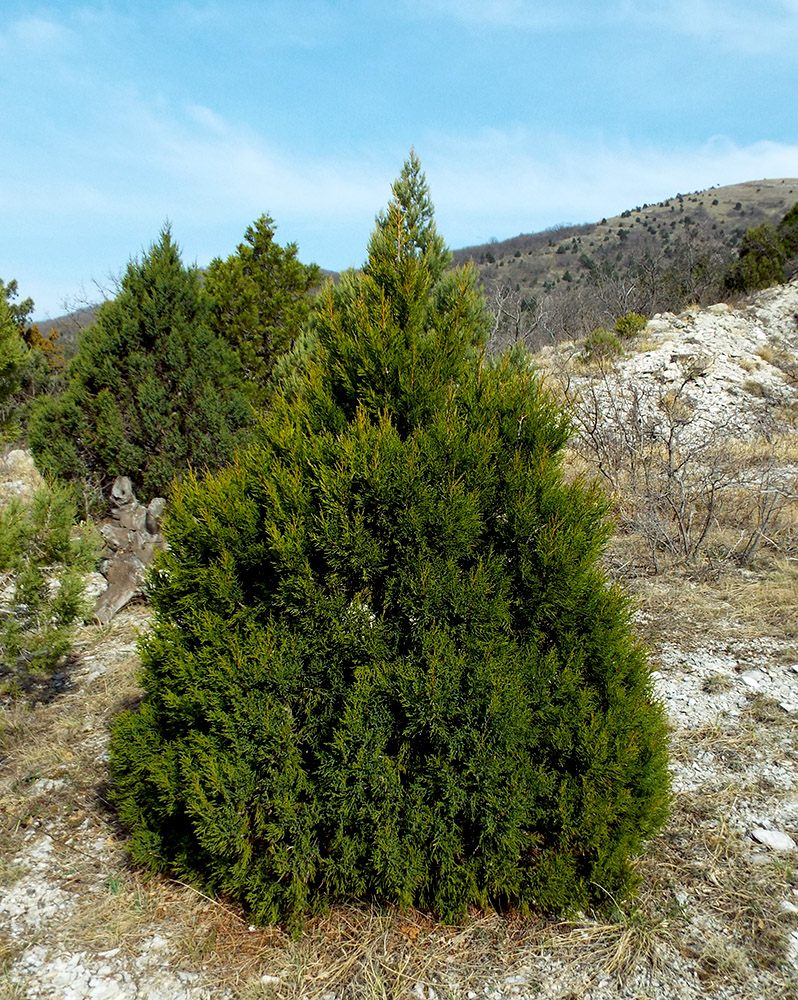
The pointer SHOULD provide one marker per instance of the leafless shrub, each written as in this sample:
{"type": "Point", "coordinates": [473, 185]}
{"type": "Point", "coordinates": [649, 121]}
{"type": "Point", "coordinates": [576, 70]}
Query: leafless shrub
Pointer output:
{"type": "Point", "coordinates": [680, 482]}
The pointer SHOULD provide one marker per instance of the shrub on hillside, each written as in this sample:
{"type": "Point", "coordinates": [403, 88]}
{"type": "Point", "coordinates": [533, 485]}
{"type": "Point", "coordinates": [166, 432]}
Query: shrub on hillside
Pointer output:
{"type": "Point", "coordinates": [760, 261]}
{"type": "Point", "coordinates": [44, 557]}
{"type": "Point", "coordinates": [766, 253]}
{"type": "Point", "coordinates": [385, 663]}
{"type": "Point", "coordinates": [787, 230]}
{"type": "Point", "coordinates": [151, 390]}
{"type": "Point", "coordinates": [630, 324]}
{"type": "Point", "coordinates": [602, 344]}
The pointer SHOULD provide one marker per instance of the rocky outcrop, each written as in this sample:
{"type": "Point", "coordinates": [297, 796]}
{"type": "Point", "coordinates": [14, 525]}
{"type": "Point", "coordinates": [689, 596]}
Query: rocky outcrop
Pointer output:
{"type": "Point", "coordinates": [740, 362]}
{"type": "Point", "coordinates": [733, 369]}
{"type": "Point", "coordinates": [18, 476]}
{"type": "Point", "coordinates": [132, 537]}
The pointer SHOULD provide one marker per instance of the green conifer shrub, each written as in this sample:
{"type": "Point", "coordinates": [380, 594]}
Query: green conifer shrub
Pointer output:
{"type": "Point", "coordinates": [760, 261]}
{"type": "Point", "coordinates": [44, 558]}
{"type": "Point", "coordinates": [260, 299]}
{"type": "Point", "coordinates": [385, 663]}
{"type": "Point", "coordinates": [151, 390]}
{"type": "Point", "coordinates": [787, 230]}
{"type": "Point", "coordinates": [630, 324]}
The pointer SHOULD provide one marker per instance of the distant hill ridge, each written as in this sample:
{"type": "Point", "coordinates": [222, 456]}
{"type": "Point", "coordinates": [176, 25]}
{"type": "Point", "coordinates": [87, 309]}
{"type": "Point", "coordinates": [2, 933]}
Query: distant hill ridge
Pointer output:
{"type": "Point", "coordinates": [570, 279]}
{"type": "Point", "coordinates": [733, 208]}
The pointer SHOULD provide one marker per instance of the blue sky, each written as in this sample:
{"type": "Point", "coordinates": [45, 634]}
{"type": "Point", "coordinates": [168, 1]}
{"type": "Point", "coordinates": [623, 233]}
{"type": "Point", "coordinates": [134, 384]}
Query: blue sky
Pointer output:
{"type": "Point", "coordinates": [119, 115]}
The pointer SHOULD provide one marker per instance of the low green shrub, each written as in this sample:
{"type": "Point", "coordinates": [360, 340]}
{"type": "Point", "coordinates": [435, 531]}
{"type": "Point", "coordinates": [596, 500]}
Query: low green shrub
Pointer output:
{"type": "Point", "coordinates": [385, 663]}
{"type": "Point", "coordinates": [602, 344]}
{"type": "Point", "coordinates": [44, 558]}
{"type": "Point", "coordinates": [630, 324]}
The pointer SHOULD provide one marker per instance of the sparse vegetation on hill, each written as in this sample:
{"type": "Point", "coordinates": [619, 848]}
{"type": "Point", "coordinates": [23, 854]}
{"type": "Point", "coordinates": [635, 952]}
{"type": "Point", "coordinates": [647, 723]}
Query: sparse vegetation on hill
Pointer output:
{"type": "Point", "coordinates": [569, 280]}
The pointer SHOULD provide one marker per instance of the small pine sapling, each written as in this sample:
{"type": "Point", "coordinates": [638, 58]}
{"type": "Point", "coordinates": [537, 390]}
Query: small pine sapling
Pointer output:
{"type": "Point", "coordinates": [44, 558]}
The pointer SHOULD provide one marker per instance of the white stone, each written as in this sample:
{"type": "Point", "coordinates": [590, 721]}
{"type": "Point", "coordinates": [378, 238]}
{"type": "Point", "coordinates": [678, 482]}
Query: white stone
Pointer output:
{"type": "Point", "coordinates": [792, 947]}
{"type": "Point", "coordinates": [774, 839]}
{"type": "Point", "coordinates": [47, 785]}
{"type": "Point", "coordinates": [753, 678]}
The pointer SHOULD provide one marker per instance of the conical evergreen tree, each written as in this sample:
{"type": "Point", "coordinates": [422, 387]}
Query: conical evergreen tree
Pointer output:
{"type": "Point", "coordinates": [151, 390]}
{"type": "Point", "coordinates": [385, 663]}
{"type": "Point", "coordinates": [259, 301]}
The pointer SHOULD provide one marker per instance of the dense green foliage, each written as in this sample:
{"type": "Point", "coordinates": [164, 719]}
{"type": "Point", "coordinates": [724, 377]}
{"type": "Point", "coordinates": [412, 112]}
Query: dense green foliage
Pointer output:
{"type": "Point", "coordinates": [385, 663]}
{"type": "Point", "coordinates": [764, 255]}
{"type": "Point", "coordinates": [13, 364]}
{"type": "Point", "coordinates": [760, 262]}
{"type": "Point", "coordinates": [787, 230]}
{"type": "Point", "coordinates": [260, 301]}
{"type": "Point", "coordinates": [43, 561]}
{"type": "Point", "coordinates": [602, 344]}
{"type": "Point", "coordinates": [630, 324]}
{"type": "Point", "coordinates": [151, 390]}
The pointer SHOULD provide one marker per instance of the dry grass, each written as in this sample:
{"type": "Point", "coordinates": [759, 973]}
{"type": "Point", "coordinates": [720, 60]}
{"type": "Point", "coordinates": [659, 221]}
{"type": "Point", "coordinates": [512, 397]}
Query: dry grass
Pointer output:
{"type": "Point", "coordinates": [765, 602]}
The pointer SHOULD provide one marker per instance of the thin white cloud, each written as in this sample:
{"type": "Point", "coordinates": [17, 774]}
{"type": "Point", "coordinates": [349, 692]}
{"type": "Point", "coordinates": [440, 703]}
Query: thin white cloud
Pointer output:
{"type": "Point", "coordinates": [198, 155]}
{"type": "Point", "coordinates": [750, 27]}
{"type": "Point", "coordinates": [500, 184]}
{"type": "Point", "coordinates": [35, 37]}
{"type": "Point", "coordinates": [503, 180]}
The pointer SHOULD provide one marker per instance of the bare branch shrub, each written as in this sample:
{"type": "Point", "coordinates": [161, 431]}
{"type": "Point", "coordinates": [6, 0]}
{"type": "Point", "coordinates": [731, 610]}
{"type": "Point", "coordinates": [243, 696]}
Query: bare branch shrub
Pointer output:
{"type": "Point", "coordinates": [687, 485]}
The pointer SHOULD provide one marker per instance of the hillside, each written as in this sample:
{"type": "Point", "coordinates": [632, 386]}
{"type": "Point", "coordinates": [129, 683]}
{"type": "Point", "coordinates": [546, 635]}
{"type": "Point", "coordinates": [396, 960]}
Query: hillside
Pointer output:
{"type": "Point", "coordinates": [568, 280]}
{"type": "Point", "coordinates": [717, 914]}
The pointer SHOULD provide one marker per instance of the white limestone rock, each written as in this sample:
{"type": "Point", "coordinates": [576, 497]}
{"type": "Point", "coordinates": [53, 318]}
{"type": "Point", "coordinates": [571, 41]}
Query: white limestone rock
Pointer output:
{"type": "Point", "coordinates": [774, 839]}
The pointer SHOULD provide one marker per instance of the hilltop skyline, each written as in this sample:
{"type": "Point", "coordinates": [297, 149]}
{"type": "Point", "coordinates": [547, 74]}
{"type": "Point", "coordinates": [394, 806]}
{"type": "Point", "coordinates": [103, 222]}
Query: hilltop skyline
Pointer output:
{"type": "Point", "coordinates": [525, 115]}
